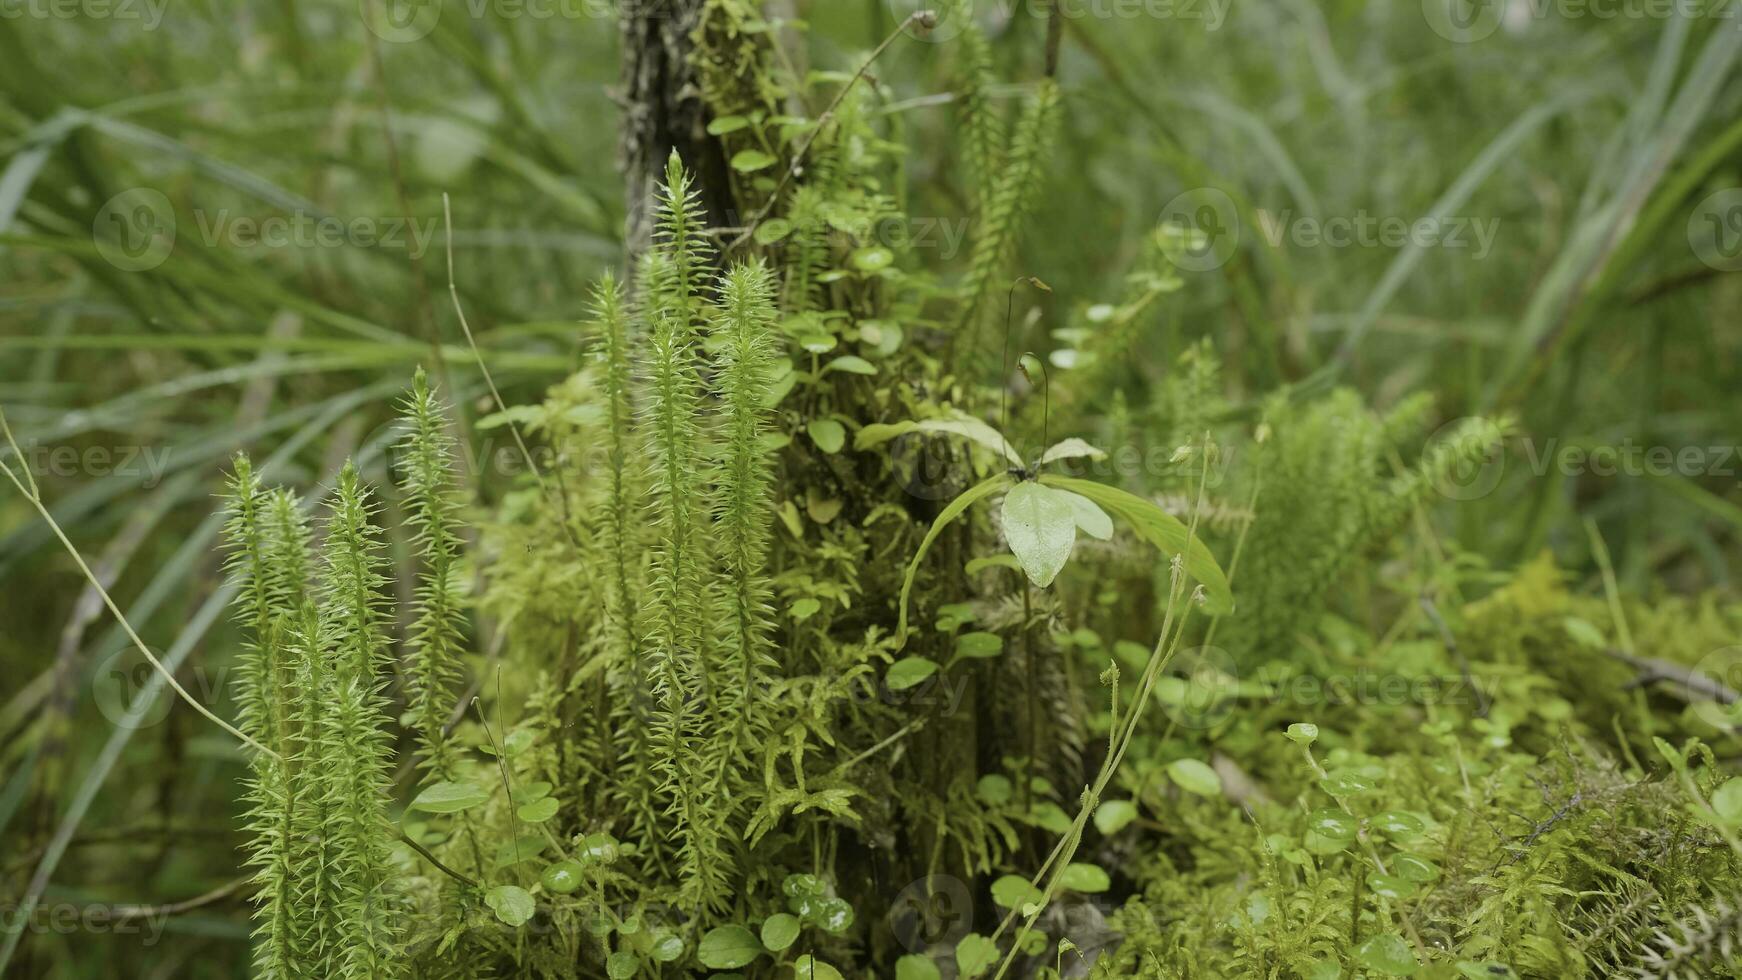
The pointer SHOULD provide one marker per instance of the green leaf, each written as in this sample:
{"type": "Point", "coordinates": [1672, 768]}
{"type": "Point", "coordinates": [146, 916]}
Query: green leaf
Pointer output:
{"type": "Point", "coordinates": [1333, 824]}
{"type": "Point", "coordinates": [1390, 886]}
{"type": "Point", "coordinates": [978, 645]}
{"type": "Point", "coordinates": [810, 968]}
{"type": "Point", "coordinates": [748, 161]}
{"type": "Point", "coordinates": [726, 124]}
{"type": "Point", "coordinates": [1396, 823]}
{"type": "Point", "coordinates": [979, 565]}
{"type": "Point", "coordinates": [1049, 816]}
{"type": "Point", "coordinates": [1414, 867]}
{"type": "Point", "coordinates": [622, 965]}
{"type": "Point", "coordinates": [914, 966]}
{"type": "Point", "coordinates": [1090, 518]}
{"type": "Point", "coordinates": [1388, 954]}
{"type": "Point", "coordinates": [728, 947]}
{"type": "Point", "coordinates": [1583, 633]}
{"type": "Point", "coordinates": [873, 258]}
{"type": "Point", "coordinates": [828, 434]}
{"type": "Point", "coordinates": [908, 671]}
{"type": "Point", "coordinates": [974, 955]}
{"type": "Point", "coordinates": [772, 230]}
{"type": "Point", "coordinates": [1160, 529]}
{"type": "Point", "coordinates": [1727, 801]}
{"type": "Point", "coordinates": [1302, 732]}
{"type": "Point", "coordinates": [804, 609]}
{"type": "Point", "coordinates": [1072, 448]}
{"type": "Point", "coordinates": [945, 518]}
{"type": "Point", "coordinates": [1087, 878]}
{"type": "Point", "coordinates": [852, 364]}
{"type": "Point", "coordinates": [1041, 528]}
{"type": "Point", "coordinates": [511, 903]}
{"type": "Point", "coordinates": [525, 848]}
{"type": "Point", "coordinates": [600, 846]}
{"type": "Point", "coordinates": [667, 947]}
{"type": "Point", "coordinates": [562, 878]}
{"type": "Point", "coordinates": [965, 426]}
{"type": "Point", "coordinates": [538, 811]}
{"type": "Point", "coordinates": [993, 789]}
{"type": "Point", "coordinates": [1195, 777]}
{"type": "Point", "coordinates": [779, 931]}
{"type": "Point", "coordinates": [1014, 891]}
{"type": "Point", "coordinates": [1114, 815]}
{"type": "Point", "coordinates": [450, 798]}
{"type": "Point", "coordinates": [532, 792]}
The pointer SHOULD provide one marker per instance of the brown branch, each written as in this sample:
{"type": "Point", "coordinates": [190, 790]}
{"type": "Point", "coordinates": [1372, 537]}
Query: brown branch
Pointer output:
{"type": "Point", "coordinates": [1686, 680]}
{"type": "Point", "coordinates": [431, 858]}
{"type": "Point", "coordinates": [126, 912]}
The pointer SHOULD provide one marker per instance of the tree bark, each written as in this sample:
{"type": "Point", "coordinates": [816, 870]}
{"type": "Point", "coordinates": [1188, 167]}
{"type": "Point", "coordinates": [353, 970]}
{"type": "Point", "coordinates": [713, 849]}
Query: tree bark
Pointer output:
{"type": "Point", "coordinates": [662, 111]}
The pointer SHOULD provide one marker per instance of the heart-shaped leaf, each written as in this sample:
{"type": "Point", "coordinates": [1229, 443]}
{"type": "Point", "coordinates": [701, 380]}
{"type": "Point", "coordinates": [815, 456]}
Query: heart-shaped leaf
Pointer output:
{"type": "Point", "coordinates": [1041, 526]}
{"type": "Point", "coordinates": [511, 903]}
{"type": "Point", "coordinates": [1160, 529]}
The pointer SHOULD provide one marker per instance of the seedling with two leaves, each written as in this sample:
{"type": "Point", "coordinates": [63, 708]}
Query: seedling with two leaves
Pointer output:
{"type": "Point", "coordinates": [1042, 511]}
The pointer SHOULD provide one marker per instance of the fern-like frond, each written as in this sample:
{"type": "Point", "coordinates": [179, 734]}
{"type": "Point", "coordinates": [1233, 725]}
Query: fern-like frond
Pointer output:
{"type": "Point", "coordinates": [352, 582]}
{"type": "Point", "coordinates": [743, 333]}
{"type": "Point", "coordinates": [437, 634]}
{"type": "Point", "coordinates": [680, 238]}
{"type": "Point", "coordinates": [677, 665]}
{"type": "Point", "coordinates": [1011, 200]}
{"type": "Point", "coordinates": [982, 126]}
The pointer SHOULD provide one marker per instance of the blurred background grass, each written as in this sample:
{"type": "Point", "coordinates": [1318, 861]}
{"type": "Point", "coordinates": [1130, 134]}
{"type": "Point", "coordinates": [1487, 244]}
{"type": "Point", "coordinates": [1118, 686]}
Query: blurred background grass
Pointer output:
{"type": "Point", "coordinates": [1603, 313]}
